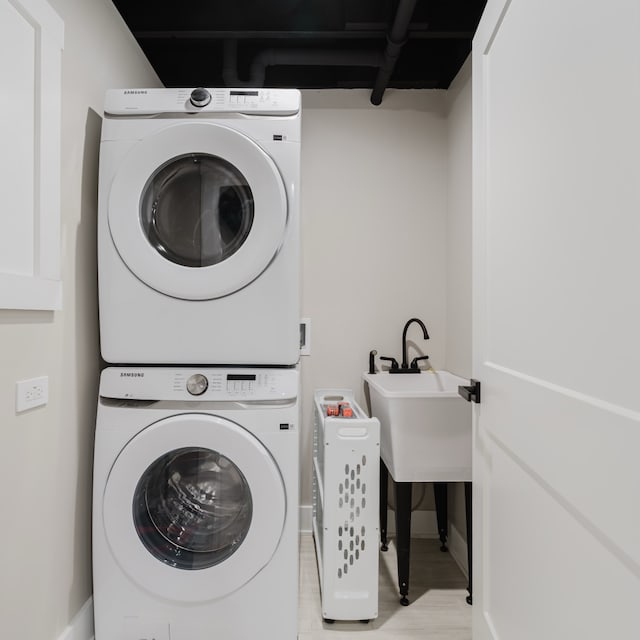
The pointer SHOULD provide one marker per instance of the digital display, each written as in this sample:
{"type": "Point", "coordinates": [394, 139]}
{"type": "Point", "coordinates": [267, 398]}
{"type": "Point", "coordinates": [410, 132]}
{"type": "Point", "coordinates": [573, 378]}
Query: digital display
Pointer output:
{"type": "Point", "coordinates": [240, 376]}
{"type": "Point", "coordinates": [244, 93]}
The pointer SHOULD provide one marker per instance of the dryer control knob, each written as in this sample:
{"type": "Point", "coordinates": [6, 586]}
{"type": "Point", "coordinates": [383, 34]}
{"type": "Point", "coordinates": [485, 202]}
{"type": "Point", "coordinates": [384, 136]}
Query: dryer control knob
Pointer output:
{"type": "Point", "coordinates": [200, 97]}
{"type": "Point", "coordinates": [197, 384]}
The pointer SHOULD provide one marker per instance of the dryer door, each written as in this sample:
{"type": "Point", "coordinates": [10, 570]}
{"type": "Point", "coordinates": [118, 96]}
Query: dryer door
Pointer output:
{"type": "Point", "coordinates": [194, 507]}
{"type": "Point", "coordinates": [197, 210]}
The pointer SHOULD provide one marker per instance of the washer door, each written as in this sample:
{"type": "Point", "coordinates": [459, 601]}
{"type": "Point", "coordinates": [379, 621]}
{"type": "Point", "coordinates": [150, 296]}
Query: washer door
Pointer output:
{"type": "Point", "coordinates": [197, 211]}
{"type": "Point", "coordinates": [194, 508]}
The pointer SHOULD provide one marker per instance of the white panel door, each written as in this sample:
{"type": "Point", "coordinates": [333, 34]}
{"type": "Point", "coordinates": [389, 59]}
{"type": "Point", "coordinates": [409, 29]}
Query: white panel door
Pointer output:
{"type": "Point", "coordinates": [556, 94]}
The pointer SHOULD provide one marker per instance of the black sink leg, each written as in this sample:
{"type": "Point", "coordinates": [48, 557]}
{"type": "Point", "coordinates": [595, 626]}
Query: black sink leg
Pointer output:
{"type": "Point", "coordinates": [384, 481]}
{"type": "Point", "coordinates": [440, 494]}
{"type": "Point", "coordinates": [403, 536]}
{"type": "Point", "coordinates": [468, 512]}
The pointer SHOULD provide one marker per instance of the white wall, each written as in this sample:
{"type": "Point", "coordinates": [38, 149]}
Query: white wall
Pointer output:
{"type": "Point", "coordinates": [458, 339]}
{"type": "Point", "coordinates": [46, 453]}
{"type": "Point", "coordinates": [374, 193]}
{"type": "Point", "coordinates": [386, 220]}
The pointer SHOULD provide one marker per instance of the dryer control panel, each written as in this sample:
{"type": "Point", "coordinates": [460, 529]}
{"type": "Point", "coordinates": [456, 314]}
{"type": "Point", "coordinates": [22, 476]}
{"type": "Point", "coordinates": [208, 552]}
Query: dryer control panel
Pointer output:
{"type": "Point", "coordinates": [150, 102]}
{"type": "Point", "coordinates": [209, 384]}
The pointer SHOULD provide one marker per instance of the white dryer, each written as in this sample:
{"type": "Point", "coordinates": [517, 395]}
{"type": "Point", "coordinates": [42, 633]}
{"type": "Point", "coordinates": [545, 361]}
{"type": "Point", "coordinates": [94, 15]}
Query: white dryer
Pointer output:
{"type": "Point", "coordinates": [195, 525]}
{"type": "Point", "coordinates": [198, 227]}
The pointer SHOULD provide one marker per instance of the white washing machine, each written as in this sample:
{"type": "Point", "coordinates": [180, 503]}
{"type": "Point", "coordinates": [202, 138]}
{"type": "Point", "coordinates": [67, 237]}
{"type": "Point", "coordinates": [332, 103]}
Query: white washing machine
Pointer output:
{"type": "Point", "coordinates": [195, 517]}
{"type": "Point", "coordinates": [198, 227]}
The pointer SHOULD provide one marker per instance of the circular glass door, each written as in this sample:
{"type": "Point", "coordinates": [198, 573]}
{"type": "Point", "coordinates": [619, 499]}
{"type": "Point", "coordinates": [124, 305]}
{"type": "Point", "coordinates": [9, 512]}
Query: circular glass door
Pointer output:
{"type": "Point", "coordinates": [197, 210]}
{"type": "Point", "coordinates": [193, 508]}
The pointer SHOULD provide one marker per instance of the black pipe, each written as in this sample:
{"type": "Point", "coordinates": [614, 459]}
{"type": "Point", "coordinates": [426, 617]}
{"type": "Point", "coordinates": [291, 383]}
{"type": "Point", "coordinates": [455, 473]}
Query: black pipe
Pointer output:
{"type": "Point", "coordinates": [395, 41]}
{"type": "Point", "coordinates": [291, 57]}
{"type": "Point", "coordinates": [310, 57]}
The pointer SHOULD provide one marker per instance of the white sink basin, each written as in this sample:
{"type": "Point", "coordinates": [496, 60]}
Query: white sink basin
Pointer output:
{"type": "Point", "coordinates": [425, 426]}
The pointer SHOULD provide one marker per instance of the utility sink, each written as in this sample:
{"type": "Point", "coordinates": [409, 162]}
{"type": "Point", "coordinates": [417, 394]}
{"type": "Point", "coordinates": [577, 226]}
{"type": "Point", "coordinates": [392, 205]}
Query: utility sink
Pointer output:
{"type": "Point", "coordinates": [425, 426]}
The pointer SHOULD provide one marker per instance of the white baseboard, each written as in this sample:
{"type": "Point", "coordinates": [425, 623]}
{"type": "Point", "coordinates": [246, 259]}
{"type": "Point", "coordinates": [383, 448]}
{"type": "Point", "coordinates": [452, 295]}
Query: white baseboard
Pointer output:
{"type": "Point", "coordinates": [81, 627]}
{"type": "Point", "coordinates": [458, 549]}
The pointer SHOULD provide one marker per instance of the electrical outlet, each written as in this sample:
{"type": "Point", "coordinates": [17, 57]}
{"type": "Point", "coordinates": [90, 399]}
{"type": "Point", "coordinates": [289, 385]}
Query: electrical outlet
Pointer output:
{"type": "Point", "coordinates": [32, 393]}
{"type": "Point", "coordinates": [305, 336]}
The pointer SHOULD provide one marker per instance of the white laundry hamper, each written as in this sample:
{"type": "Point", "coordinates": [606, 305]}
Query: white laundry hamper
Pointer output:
{"type": "Point", "coordinates": [346, 474]}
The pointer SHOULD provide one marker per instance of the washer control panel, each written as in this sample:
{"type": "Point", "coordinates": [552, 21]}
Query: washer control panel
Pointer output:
{"type": "Point", "coordinates": [208, 384]}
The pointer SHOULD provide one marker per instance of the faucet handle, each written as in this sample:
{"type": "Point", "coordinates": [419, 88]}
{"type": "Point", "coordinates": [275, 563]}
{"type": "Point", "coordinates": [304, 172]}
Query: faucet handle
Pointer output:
{"type": "Point", "coordinates": [414, 362]}
{"type": "Point", "coordinates": [393, 361]}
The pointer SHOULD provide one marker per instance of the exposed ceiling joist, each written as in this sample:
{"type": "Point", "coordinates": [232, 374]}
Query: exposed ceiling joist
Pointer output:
{"type": "Point", "coordinates": [319, 44]}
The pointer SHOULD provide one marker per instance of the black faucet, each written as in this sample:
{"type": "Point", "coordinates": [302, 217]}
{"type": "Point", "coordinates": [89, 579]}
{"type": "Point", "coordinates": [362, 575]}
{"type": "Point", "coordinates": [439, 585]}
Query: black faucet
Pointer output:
{"type": "Point", "coordinates": [405, 367]}
{"type": "Point", "coordinates": [405, 364]}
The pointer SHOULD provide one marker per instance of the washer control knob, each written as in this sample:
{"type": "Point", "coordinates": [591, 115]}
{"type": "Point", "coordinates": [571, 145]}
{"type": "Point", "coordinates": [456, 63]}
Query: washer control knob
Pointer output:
{"type": "Point", "coordinates": [200, 97]}
{"type": "Point", "coordinates": [197, 384]}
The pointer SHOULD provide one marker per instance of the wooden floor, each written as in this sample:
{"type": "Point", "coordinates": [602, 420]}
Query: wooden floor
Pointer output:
{"type": "Point", "coordinates": [437, 593]}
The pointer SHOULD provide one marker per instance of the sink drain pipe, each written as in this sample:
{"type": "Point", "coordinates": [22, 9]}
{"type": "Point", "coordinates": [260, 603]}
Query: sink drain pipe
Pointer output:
{"type": "Point", "coordinates": [395, 41]}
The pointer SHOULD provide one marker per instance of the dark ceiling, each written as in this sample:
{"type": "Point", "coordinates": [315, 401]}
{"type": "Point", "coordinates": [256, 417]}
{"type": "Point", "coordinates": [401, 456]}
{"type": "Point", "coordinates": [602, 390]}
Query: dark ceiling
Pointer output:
{"type": "Point", "coordinates": [308, 44]}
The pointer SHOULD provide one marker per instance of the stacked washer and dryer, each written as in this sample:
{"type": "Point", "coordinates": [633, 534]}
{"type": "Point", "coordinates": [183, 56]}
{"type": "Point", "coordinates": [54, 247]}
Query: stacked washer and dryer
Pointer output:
{"type": "Point", "coordinates": [195, 518]}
